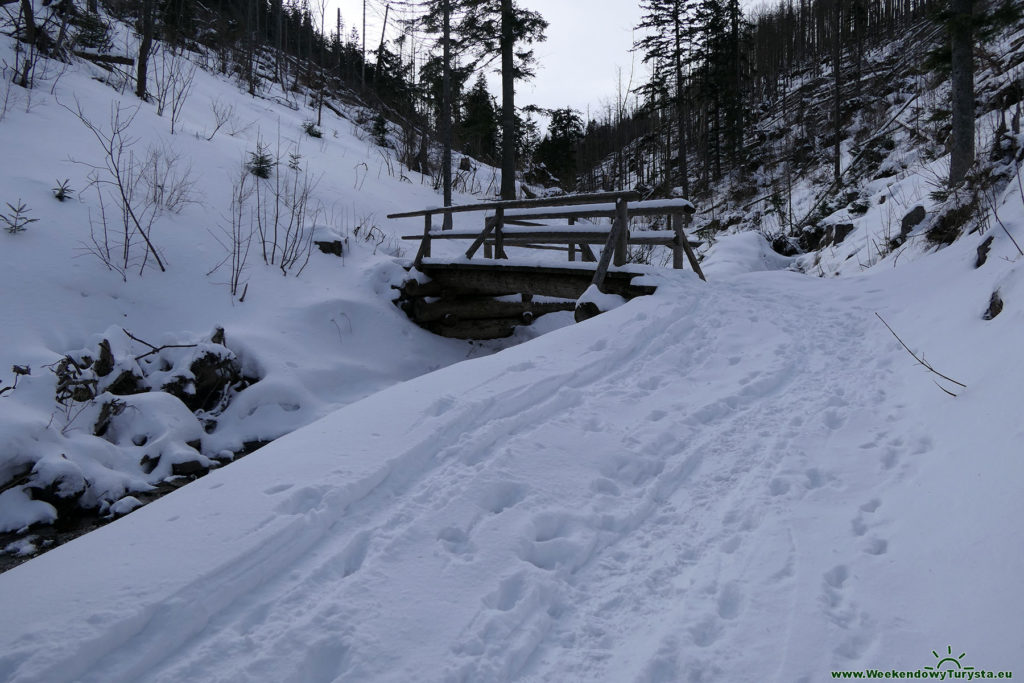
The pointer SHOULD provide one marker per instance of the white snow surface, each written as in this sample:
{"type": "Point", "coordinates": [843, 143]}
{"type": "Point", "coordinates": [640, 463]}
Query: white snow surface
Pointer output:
{"type": "Point", "coordinates": [748, 479]}
{"type": "Point", "coordinates": [742, 480]}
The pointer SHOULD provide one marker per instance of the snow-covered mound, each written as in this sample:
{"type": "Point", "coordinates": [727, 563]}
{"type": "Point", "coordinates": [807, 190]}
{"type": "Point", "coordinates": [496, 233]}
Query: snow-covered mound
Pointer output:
{"type": "Point", "coordinates": [749, 479]}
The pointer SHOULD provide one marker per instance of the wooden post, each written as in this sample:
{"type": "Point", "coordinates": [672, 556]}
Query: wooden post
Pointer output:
{"type": "Point", "coordinates": [677, 248]}
{"type": "Point", "coordinates": [425, 242]}
{"type": "Point", "coordinates": [690, 256]}
{"type": "Point", "coordinates": [499, 238]}
{"type": "Point", "coordinates": [614, 237]}
{"type": "Point", "coordinates": [621, 231]}
{"type": "Point", "coordinates": [572, 245]}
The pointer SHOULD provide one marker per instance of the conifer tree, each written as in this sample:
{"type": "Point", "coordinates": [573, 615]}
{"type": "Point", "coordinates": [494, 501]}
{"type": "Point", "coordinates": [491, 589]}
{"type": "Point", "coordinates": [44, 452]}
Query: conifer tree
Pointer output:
{"type": "Point", "coordinates": [479, 128]}
{"type": "Point", "coordinates": [484, 29]}
{"type": "Point", "coordinates": [670, 24]}
{"type": "Point", "coordinates": [558, 148]}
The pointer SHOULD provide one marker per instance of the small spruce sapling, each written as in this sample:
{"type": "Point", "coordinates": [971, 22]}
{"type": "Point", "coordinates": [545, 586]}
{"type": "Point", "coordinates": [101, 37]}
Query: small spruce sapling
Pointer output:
{"type": "Point", "coordinates": [380, 130]}
{"type": "Point", "coordinates": [17, 218]}
{"type": "Point", "coordinates": [63, 190]}
{"type": "Point", "coordinates": [261, 164]}
{"type": "Point", "coordinates": [311, 130]}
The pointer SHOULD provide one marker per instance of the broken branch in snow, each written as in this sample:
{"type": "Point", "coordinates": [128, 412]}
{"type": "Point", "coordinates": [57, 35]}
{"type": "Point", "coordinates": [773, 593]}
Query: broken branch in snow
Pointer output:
{"type": "Point", "coordinates": [155, 349]}
{"type": "Point", "coordinates": [927, 366]}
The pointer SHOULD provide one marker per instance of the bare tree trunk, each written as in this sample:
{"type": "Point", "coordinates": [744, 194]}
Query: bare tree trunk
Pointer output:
{"type": "Point", "coordinates": [961, 143]}
{"type": "Point", "coordinates": [508, 103]}
{"type": "Point", "coordinates": [30, 41]}
{"type": "Point", "coordinates": [837, 51]}
{"type": "Point", "coordinates": [446, 115]}
{"type": "Point", "coordinates": [681, 113]}
{"type": "Point", "coordinates": [144, 48]}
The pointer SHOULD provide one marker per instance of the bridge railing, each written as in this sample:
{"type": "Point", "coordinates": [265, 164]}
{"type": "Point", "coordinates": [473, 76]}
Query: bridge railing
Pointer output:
{"type": "Point", "coordinates": [619, 206]}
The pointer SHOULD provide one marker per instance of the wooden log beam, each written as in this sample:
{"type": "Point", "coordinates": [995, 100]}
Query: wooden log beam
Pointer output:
{"type": "Point", "coordinates": [467, 280]}
{"type": "Point", "coordinates": [105, 59]}
{"type": "Point", "coordinates": [424, 250]}
{"type": "Point", "coordinates": [692, 258]}
{"type": "Point", "coordinates": [488, 228]}
{"type": "Point", "coordinates": [483, 308]}
{"type": "Point", "coordinates": [565, 200]}
{"type": "Point", "coordinates": [606, 256]}
{"type": "Point", "coordinates": [494, 328]}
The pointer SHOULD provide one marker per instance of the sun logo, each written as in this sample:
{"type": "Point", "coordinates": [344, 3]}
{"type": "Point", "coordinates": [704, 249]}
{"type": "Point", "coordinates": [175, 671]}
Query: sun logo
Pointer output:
{"type": "Point", "coordinates": [954, 662]}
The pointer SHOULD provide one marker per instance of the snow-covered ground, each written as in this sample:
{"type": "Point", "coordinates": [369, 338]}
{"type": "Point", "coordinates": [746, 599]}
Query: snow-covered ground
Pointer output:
{"type": "Point", "coordinates": [744, 480]}
{"type": "Point", "coordinates": [741, 480]}
{"type": "Point", "coordinates": [318, 338]}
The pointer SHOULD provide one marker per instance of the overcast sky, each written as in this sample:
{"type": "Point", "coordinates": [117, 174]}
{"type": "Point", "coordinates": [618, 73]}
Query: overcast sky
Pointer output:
{"type": "Point", "coordinates": [588, 43]}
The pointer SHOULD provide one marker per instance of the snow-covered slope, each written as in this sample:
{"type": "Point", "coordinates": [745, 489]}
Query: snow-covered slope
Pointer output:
{"type": "Point", "coordinates": [744, 480]}
{"type": "Point", "coordinates": [320, 337]}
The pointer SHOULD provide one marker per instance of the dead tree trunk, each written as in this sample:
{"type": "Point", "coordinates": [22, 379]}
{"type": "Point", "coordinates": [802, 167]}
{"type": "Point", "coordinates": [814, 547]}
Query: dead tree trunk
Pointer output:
{"type": "Point", "coordinates": [508, 102]}
{"type": "Point", "coordinates": [30, 41]}
{"type": "Point", "coordinates": [961, 142]}
{"type": "Point", "coordinates": [145, 47]}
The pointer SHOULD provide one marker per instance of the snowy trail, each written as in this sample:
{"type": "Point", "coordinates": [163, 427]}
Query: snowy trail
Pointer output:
{"type": "Point", "coordinates": [693, 487]}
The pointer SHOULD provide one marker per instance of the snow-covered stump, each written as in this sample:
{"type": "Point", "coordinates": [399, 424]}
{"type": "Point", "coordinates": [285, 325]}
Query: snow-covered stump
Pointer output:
{"type": "Point", "coordinates": [594, 302]}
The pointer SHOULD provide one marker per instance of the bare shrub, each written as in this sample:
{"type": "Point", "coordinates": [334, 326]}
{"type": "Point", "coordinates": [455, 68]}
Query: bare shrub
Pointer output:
{"type": "Point", "coordinates": [167, 179]}
{"type": "Point", "coordinates": [278, 208]}
{"type": "Point", "coordinates": [223, 114]}
{"type": "Point", "coordinates": [285, 216]}
{"type": "Point", "coordinates": [133, 192]}
{"type": "Point", "coordinates": [172, 83]}
{"type": "Point", "coordinates": [237, 233]}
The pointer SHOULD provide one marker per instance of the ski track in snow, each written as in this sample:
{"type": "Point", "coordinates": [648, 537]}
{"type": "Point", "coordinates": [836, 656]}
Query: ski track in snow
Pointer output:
{"type": "Point", "coordinates": [607, 518]}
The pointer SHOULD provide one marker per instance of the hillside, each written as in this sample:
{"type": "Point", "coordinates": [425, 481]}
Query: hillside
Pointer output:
{"type": "Point", "coordinates": [773, 475]}
{"type": "Point", "coordinates": [299, 340]}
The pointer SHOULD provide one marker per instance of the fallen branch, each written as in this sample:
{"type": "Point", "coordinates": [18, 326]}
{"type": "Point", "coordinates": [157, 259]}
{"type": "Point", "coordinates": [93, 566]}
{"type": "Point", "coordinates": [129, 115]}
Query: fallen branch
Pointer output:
{"type": "Point", "coordinates": [927, 366]}
{"type": "Point", "coordinates": [104, 59]}
{"type": "Point", "coordinates": [155, 349]}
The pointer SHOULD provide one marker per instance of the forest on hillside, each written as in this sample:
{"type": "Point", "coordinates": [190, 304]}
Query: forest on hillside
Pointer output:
{"type": "Point", "coordinates": [714, 72]}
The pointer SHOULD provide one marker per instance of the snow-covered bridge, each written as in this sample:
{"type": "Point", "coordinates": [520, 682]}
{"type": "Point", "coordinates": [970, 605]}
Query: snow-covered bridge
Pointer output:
{"type": "Point", "coordinates": [458, 297]}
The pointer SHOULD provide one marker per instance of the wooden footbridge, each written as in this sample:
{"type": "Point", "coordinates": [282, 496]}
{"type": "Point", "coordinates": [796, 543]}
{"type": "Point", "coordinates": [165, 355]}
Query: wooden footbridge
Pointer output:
{"type": "Point", "coordinates": [486, 299]}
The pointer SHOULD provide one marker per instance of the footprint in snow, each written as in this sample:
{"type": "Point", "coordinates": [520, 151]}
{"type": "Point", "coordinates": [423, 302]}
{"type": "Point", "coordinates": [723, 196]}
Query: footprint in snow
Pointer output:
{"type": "Point", "coordinates": [871, 505]}
{"type": "Point", "coordinates": [706, 631]}
{"type": "Point", "coordinates": [605, 486]}
{"type": "Point", "coordinates": [778, 487]}
{"type": "Point", "coordinates": [877, 546]}
{"type": "Point", "coordinates": [510, 591]}
{"type": "Point", "coordinates": [455, 541]}
{"type": "Point", "coordinates": [837, 576]}
{"type": "Point", "coordinates": [302, 501]}
{"type": "Point", "coordinates": [499, 496]}
{"type": "Point", "coordinates": [833, 419]}
{"type": "Point", "coordinates": [730, 601]}
{"type": "Point", "coordinates": [440, 406]}
{"type": "Point", "coordinates": [815, 478]}
{"type": "Point", "coordinates": [859, 526]}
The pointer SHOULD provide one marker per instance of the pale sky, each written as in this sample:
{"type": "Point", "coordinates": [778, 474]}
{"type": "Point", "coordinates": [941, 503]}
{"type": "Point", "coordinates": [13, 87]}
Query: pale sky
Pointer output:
{"type": "Point", "coordinates": [588, 43]}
